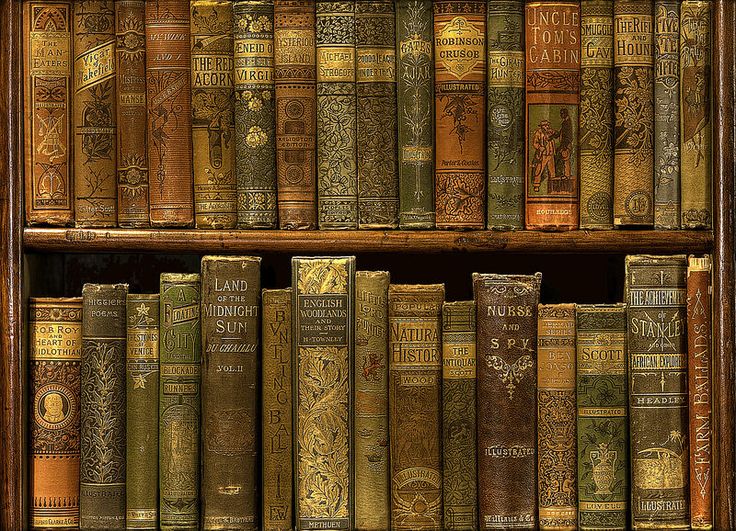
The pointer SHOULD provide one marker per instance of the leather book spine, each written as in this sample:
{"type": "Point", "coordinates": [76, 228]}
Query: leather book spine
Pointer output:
{"type": "Point", "coordinates": [337, 169]}
{"type": "Point", "coordinates": [556, 412]}
{"type": "Point", "coordinates": [102, 471]}
{"type": "Point", "coordinates": [658, 401]}
{"type": "Point", "coordinates": [255, 118]}
{"type": "Point", "coordinates": [700, 390]}
{"type": "Point", "coordinates": [633, 152]}
{"type": "Point", "coordinates": [602, 398]}
{"type": "Point", "coordinates": [55, 355]}
{"type": "Point", "coordinates": [179, 401]}
{"type": "Point", "coordinates": [505, 126]}
{"type": "Point", "coordinates": [460, 492]}
{"type": "Point", "coordinates": [323, 313]}
{"type": "Point", "coordinates": [47, 117]}
{"type": "Point", "coordinates": [596, 114]}
{"type": "Point", "coordinates": [506, 338]}
{"type": "Point", "coordinates": [132, 155]}
{"type": "Point", "coordinates": [415, 401]}
{"type": "Point", "coordinates": [142, 381]}
{"type": "Point", "coordinates": [213, 119]}
{"type": "Point", "coordinates": [415, 113]}
{"type": "Point", "coordinates": [94, 115]}
{"type": "Point", "coordinates": [460, 110]}
{"type": "Point", "coordinates": [168, 97]}
{"type": "Point", "coordinates": [231, 292]}
{"type": "Point", "coordinates": [295, 65]}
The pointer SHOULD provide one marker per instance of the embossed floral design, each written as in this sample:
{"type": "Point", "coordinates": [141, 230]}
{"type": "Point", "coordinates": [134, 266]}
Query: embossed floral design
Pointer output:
{"type": "Point", "coordinates": [256, 137]}
{"type": "Point", "coordinates": [635, 113]}
{"type": "Point", "coordinates": [596, 114]}
{"type": "Point", "coordinates": [460, 108]}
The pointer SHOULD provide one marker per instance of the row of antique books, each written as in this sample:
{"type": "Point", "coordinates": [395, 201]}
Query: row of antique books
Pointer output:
{"type": "Point", "coordinates": [348, 402]}
{"type": "Point", "coordinates": [371, 114]}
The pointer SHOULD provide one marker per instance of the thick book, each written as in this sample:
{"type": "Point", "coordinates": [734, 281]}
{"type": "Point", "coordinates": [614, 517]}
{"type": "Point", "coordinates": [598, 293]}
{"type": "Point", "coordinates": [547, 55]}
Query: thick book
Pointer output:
{"type": "Point", "coordinates": [231, 293]}
{"type": "Point", "coordinates": [658, 414]}
{"type": "Point", "coordinates": [102, 405]}
{"type": "Point", "coordinates": [415, 399]}
{"type": "Point", "coordinates": [47, 61]}
{"type": "Point", "coordinates": [460, 111]}
{"type": "Point", "coordinates": [323, 312]}
{"type": "Point", "coordinates": [602, 398]}
{"type": "Point", "coordinates": [179, 401]}
{"type": "Point", "coordinates": [55, 349]}
{"type": "Point", "coordinates": [142, 381]}
{"type": "Point", "coordinates": [459, 493]}
{"type": "Point", "coordinates": [506, 369]}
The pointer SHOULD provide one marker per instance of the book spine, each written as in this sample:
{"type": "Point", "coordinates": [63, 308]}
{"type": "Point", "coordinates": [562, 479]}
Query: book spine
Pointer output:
{"type": "Point", "coordinates": [231, 290]}
{"type": "Point", "coordinates": [415, 113]}
{"type": "Point", "coordinates": [460, 108]}
{"type": "Point", "coordinates": [55, 356]}
{"type": "Point", "coordinates": [505, 101]}
{"type": "Point", "coordinates": [255, 119]}
{"type": "Point", "coordinates": [94, 115]}
{"type": "Point", "coordinates": [179, 401]}
{"type": "Point", "coordinates": [213, 122]}
{"type": "Point", "coordinates": [603, 446]}
{"type": "Point", "coordinates": [102, 471]}
{"type": "Point", "coordinates": [596, 114]}
{"type": "Point", "coordinates": [633, 156]}
{"type": "Point", "coordinates": [657, 348]}
{"type": "Point", "coordinates": [47, 116]}
{"type": "Point", "coordinates": [278, 492]}
{"type": "Point", "coordinates": [375, 50]}
{"type": "Point", "coordinates": [337, 181]}
{"type": "Point", "coordinates": [695, 115]}
{"type": "Point", "coordinates": [168, 97]}
{"type": "Point", "coordinates": [323, 312]}
{"type": "Point", "coordinates": [415, 401]}
{"type": "Point", "coordinates": [142, 381]}
{"type": "Point", "coordinates": [370, 425]}
{"type": "Point", "coordinates": [460, 492]}
{"type": "Point", "coordinates": [556, 411]}
{"type": "Point", "coordinates": [295, 64]}
{"type": "Point", "coordinates": [506, 368]}
{"type": "Point", "coordinates": [700, 390]}
{"type": "Point", "coordinates": [132, 156]}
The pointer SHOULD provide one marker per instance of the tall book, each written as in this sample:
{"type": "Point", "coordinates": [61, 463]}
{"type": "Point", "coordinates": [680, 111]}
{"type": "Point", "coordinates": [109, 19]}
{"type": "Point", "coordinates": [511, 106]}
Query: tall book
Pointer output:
{"type": "Point", "coordinates": [102, 405]}
{"type": "Point", "coordinates": [179, 401]}
{"type": "Point", "coordinates": [142, 381]}
{"type": "Point", "coordinates": [370, 425]}
{"type": "Point", "coordinates": [460, 493]}
{"type": "Point", "coordinates": [603, 446]}
{"type": "Point", "coordinates": [47, 41]}
{"type": "Point", "coordinates": [415, 113]}
{"type": "Point", "coordinates": [323, 311]}
{"type": "Point", "coordinates": [231, 292]}
{"type": "Point", "coordinates": [657, 348]}
{"type": "Point", "coordinates": [55, 355]}
{"type": "Point", "coordinates": [415, 399]}
{"type": "Point", "coordinates": [506, 338]}
{"type": "Point", "coordinates": [460, 110]}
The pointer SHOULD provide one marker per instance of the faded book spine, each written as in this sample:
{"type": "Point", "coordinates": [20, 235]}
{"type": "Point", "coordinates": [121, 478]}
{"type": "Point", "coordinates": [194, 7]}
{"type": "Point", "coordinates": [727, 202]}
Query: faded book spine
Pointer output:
{"type": "Point", "coordinates": [657, 347]}
{"type": "Point", "coordinates": [460, 110]}
{"type": "Point", "coordinates": [47, 118]}
{"type": "Point", "coordinates": [415, 399]}
{"type": "Point", "coordinates": [102, 472]}
{"type": "Point", "coordinates": [323, 312]}
{"type": "Point", "coordinates": [55, 355]}
{"type": "Point", "coordinates": [179, 401]}
{"type": "Point", "coordinates": [458, 416]}
{"type": "Point", "coordinates": [94, 115]}
{"type": "Point", "coordinates": [142, 381]}
{"type": "Point", "coordinates": [231, 291]}
{"type": "Point", "coordinates": [506, 336]}
{"type": "Point", "coordinates": [213, 123]}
